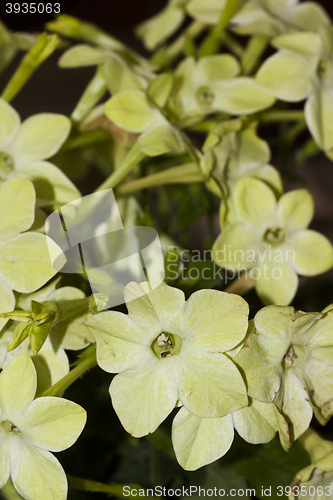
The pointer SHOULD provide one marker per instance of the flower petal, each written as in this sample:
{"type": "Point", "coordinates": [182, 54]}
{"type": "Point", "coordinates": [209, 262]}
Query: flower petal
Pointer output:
{"type": "Point", "coordinates": [218, 67]}
{"type": "Point", "coordinates": [241, 96]}
{"type": "Point", "coordinates": [256, 423]}
{"type": "Point", "coordinates": [319, 115]}
{"type": "Point", "coordinates": [7, 301]}
{"type": "Point", "coordinates": [51, 184]}
{"type": "Point", "coordinates": [17, 206]}
{"type": "Point", "coordinates": [158, 28]}
{"type": "Point", "coordinates": [296, 405]}
{"type": "Point", "coordinates": [51, 364]}
{"type": "Point", "coordinates": [37, 474]}
{"type": "Point", "coordinates": [200, 441]}
{"type": "Point", "coordinates": [18, 384]}
{"type": "Point", "coordinates": [131, 111]}
{"type": "Point", "coordinates": [210, 385]}
{"type": "Point", "coordinates": [295, 210]}
{"type": "Point", "coordinates": [254, 202]}
{"type": "Point", "coordinates": [53, 424]}
{"type": "Point", "coordinates": [313, 253]}
{"type": "Point", "coordinates": [277, 282]}
{"type": "Point", "coordinates": [5, 458]}
{"type": "Point", "coordinates": [9, 124]}
{"type": "Point", "coordinates": [82, 55]}
{"type": "Point", "coordinates": [120, 344]}
{"type": "Point", "coordinates": [40, 137]}
{"type": "Point", "coordinates": [237, 247]}
{"type": "Point", "coordinates": [161, 306]}
{"type": "Point", "coordinates": [144, 397]}
{"type": "Point", "coordinates": [215, 321]}
{"type": "Point", "coordinates": [25, 261]}
{"type": "Point", "coordinates": [287, 75]}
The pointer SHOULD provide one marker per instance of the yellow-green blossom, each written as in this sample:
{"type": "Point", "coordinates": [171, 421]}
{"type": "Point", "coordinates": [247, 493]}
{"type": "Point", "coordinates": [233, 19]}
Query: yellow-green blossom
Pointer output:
{"type": "Point", "coordinates": [25, 147]}
{"type": "Point", "coordinates": [167, 350]}
{"type": "Point", "coordinates": [287, 359]}
{"type": "Point", "coordinates": [30, 429]}
{"type": "Point", "coordinates": [271, 238]}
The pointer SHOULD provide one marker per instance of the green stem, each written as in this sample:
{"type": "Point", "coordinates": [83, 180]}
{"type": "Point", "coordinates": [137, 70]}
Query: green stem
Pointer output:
{"type": "Point", "coordinates": [253, 52]}
{"type": "Point", "coordinates": [44, 47]}
{"type": "Point", "coordinates": [87, 362]}
{"type": "Point", "coordinates": [114, 490]}
{"type": "Point", "coordinates": [86, 138]}
{"type": "Point", "coordinates": [308, 150]}
{"type": "Point", "coordinates": [91, 96]}
{"type": "Point", "coordinates": [241, 285]}
{"type": "Point", "coordinates": [233, 44]}
{"type": "Point", "coordinates": [212, 43]}
{"type": "Point", "coordinates": [132, 159]}
{"type": "Point", "coordinates": [166, 55]}
{"type": "Point", "coordinates": [184, 174]}
{"type": "Point", "coordinates": [280, 116]}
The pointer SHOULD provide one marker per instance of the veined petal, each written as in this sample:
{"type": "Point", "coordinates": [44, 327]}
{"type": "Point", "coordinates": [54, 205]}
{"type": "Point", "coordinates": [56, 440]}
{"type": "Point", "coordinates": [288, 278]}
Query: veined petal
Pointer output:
{"type": "Point", "coordinates": [5, 458]}
{"type": "Point", "coordinates": [319, 115]}
{"type": "Point", "coordinates": [308, 44]}
{"type": "Point", "coordinates": [144, 397]}
{"type": "Point", "coordinates": [296, 405]}
{"type": "Point", "coordinates": [116, 355]}
{"type": "Point", "coordinates": [18, 384]}
{"type": "Point", "coordinates": [40, 137]}
{"type": "Point", "coordinates": [25, 261]}
{"type": "Point", "coordinates": [241, 96]}
{"type": "Point", "coordinates": [9, 124]}
{"type": "Point", "coordinates": [272, 325]}
{"type": "Point", "coordinates": [51, 184]}
{"type": "Point", "coordinates": [210, 385]}
{"type": "Point", "coordinates": [237, 247]}
{"type": "Point", "coordinates": [255, 202]}
{"type": "Point", "coordinates": [158, 309]}
{"type": "Point", "coordinates": [256, 423]}
{"type": "Point", "coordinates": [52, 424]}
{"type": "Point", "coordinates": [215, 321]}
{"type": "Point", "coordinates": [200, 441]}
{"type": "Point", "coordinates": [17, 206]}
{"type": "Point", "coordinates": [277, 282]}
{"type": "Point", "coordinates": [288, 75]}
{"type": "Point", "coordinates": [295, 210]}
{"type": "Point", "coordinates": [37, 474]}
{"type": "Point", "coordinates": [313, 253]}
{"type": "Point", "coordinates": [318, 374]}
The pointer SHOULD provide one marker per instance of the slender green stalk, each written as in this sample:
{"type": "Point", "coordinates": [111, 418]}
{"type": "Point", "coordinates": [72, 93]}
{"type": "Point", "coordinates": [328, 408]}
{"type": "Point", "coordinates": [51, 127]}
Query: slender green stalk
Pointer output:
{"type": "Point", "coordinates": [280, 116]}
{"type": "Point", "coordinates": [131, 160]}
{"type": "Point", "coordinates": [307, 151]}
{"type": "Point", "coordinates": [241, 285]}
{"type": "Point", "coordinates": [114, 490]}
{"type": "Point", "coordinates": [86, 138]}
{"type": "Point", "coordinates": [184, 174]}
{"type": "Point", "coordinates": [212, 43]}
{"type": "Point", "coordinates": [233, 44]}
{"type": "Point", "coordinates": [93, 93]}
{"type": "Point", "coordinates": [167, 54]}
{"type": "Point", "coordinates": [44, 47]}
{"type": "Point", "coordinates": [253, 52]}
{"type": "Point", "coordinates": [88, 361]}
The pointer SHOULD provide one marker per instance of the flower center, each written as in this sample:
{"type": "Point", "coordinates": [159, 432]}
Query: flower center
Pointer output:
{"type": "Point", "coordinates": [205, 95]}
{"type": "Point", "coordinates": [6, 165]}
{"type": "Point", "coordinates": [290, 356]}
{"type": "Point", "coordinates": [166, 345]}
{"type": "Point", "coordinates": [274, 236]}
{"type": "Point", "coordinates": [10, 428]}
